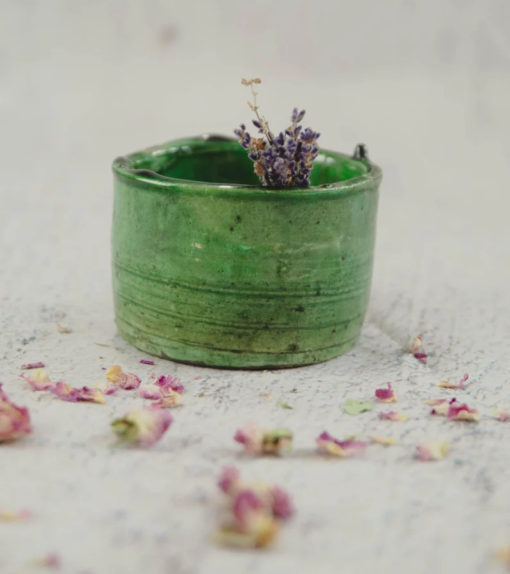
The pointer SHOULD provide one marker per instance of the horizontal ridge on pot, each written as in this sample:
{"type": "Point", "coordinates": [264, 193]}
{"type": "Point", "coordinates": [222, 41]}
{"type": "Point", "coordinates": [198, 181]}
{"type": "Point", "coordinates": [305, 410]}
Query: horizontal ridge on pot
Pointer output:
{"type": "Point", "coordinates": [212, 269]}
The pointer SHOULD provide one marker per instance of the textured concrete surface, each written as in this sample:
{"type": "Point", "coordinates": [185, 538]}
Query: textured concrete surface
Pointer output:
{"type": "Point", "coordinates": [430, 97]}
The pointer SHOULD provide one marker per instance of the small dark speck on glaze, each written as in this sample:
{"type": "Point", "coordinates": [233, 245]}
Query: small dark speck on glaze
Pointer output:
{"type": "Point", "coordinates": [299, 309]}
{"type": "Point", "coordinates": [293, 347]}
{"type": "Point", "coordinates": [239, 219]}
{"type": "Point", "coordinates": [343, 258]}
{"type": "Point", "coordinates": [333, 331]}
{"type": "Point", "coordinates": [317, 222]}
{"type": "Point", "coordinates": [267, 327]}
{"type": "Point", "coordinates": [318, 293]}
{"type": "Point", "coordinates": [231, 229]}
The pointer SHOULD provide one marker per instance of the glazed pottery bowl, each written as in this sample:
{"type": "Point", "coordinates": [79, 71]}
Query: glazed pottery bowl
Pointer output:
{"type": "Point", "coordinates": [212, 269]}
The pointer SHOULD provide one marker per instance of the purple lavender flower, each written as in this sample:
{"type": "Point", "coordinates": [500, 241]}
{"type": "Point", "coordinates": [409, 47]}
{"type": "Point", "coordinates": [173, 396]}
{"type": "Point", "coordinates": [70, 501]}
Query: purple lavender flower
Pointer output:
{"type": "Point", "coordinates": [285, 160]}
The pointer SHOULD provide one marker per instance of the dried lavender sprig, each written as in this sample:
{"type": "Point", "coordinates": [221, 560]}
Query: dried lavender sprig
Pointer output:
{"type": "Point", "coordinates": [285, 160]}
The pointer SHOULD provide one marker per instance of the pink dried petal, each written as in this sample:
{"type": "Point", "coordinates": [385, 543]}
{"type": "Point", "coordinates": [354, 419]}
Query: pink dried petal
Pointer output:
{"type": "Point", "coordinates": [459, 385]}
{"type": "Point", "coordinates": [169, 401]}
{"type": "Point", "coordinates": [151, 392]}
{"type": "Point", "coordinates": [71, 394]}
{"type": "Point", "coordinates": [229, 476]}
{"type": "Point", "coordinates": [169, 383]}
{"type": "Point", "coordinates": [461, 412]}
{"type": "Point", "coordinates": [146, 362]}
{"type": "Point", "coordinates": [392, 416]}
{"type": "Point", "coordinates": [105, 388]}
{"type": "Point", "coordinates": [326, 444]}
{"type": "Point", "coordinates": [259, 441]}
{"type": "Point", "coordinates": [14, 420]}
{"type": "Point", "coordinates": [243, 505]}
{"type": "Point", "coordinates": [435, 450]}
{"type": "Point", "coordinates": [38, 380]}
{"type": "Point", "coordinates": [416, 351]}
{"type": "Point", "coordinates": [501, 415]}
{"type": "Point", "coordinates": [251, 437]}
{"type": "Point", "coordinates": [436, 402]}
{"type": "Point", "coordinates": [386, 395]}
{"type": "Point", "coordinates": [15, 516]}
{"type": "Point", "coordinates": [49, 561]}
{"type": "Point", "coordinates": [263, 529]}
{"type": "Point", "coordinates": [383, 440]}
{"type": "Point", "coordinates": [126, 381]}
{"type": "Point", "coordinates": [282, 503]}
{"type": "Point", "coordinates": [143, 426]}
{"type": "Point", "coordinates": [38, 365]}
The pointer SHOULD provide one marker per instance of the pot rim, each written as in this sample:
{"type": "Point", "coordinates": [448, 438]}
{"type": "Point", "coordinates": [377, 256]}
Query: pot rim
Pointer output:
{"type": "Point", "coordinates": [124, 166]}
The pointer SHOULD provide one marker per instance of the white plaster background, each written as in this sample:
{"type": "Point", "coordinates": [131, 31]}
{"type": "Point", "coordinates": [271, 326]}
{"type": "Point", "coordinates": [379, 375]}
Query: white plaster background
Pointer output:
{"type": "Point", "coordinates": [427, 86]}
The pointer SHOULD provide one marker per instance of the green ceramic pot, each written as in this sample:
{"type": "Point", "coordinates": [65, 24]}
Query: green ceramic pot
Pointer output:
{"type": "Point", "coordinates": [212, 269]}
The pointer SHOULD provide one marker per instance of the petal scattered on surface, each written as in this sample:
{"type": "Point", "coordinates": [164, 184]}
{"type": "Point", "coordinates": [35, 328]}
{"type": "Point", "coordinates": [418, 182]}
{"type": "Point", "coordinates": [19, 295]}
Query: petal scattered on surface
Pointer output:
{"type": "Point", "coordinates": [417, 350]}
{"type": "Point", "coordinates": [146, 362]}
{"type": "Point", "coordinates": [144, 426]}
{"type": "Point", "coordinates": [126, 381]}
{"type": "Point", "coordinates": [38, 365]}
{"type": "Point", "coordinates": [393, 416]}
{"type": "Point", "coordinates": [258, 441]}
{"type": "Point", "coordinates": [355, 407]}
{"type": "Point", "coordinates": [71, 394]}
{"type": "Point", "coordinates": [434, 450]}
{"type": "Point", "coordinates": [14, 420]}
{"type": "Point", "coordinates": [501, 415]}
{"type": "Point", "coordinates": [461, 412]}
{"type": "Point", "coordinates": [49, 561]}
{"type": "Point", "coordinates": [169, 401]}
{"type": "Point", "coordinates": [11, 516]}
{"type": "Point", "coordinates": [38, 380]}
{"type": "Point", "coordinates": [386, 395]}
{"type": "Point", "coordinates": [254, 511]}
{"type": "Point", "coordinates": [167, 384]}
{"type": "Point", "coordinates": [460, 385]}
{"type": "Point", "coordinates": [328, 445]}
{"type": "Point", "coordinates": [385, 441]}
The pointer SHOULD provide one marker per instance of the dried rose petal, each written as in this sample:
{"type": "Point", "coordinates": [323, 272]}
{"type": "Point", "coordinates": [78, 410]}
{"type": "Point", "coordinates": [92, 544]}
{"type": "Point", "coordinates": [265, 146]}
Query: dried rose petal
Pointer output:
{"type": "Point", "coordinates": [49, 561]}
{"type": "Point", "coordinates": [386, 395]}
{"type": "Point", "coordinates": [38, 380]}
{"type": "Point", "coordinates": [229, 476]}
{"type": "Point", "coordinates": [436, 402]}
{"type": "Point", "coordinates": [502, 415]}
{"type": "Point", "coordinates": [461, 412]}
{"type": "Point", "coordinates": [38, 365]}
{"type": "Point", "coordinates": [255, 511]}
{"type": "Point", "coordinates": [243, 504]}
{"type": "Point", "coordinates": [151, 392]}
{"type": "Point", "coordinates": [169, 401]}
{"type": "Point", "coordinates": [262, 532]}
{"type": "Point", "coordinates": [326, 444]}
{"type": "Point", "coordinates": [19, 516]}
{"type": "Point", "coordinates": [146, 362]}
{"type": "Point", "coordinates": [14, 420]}
{"type": "Point", "coordinates": [392, 416]}
{"type": "Point", "coordinates": [435, 450]}
{"type": "Point", "coordinates": [105, 388]}
{"type": "Point", "coordinates": [459, 385]}
{"type": "Point", "coordinates": [126, 381]}
{"type": "Point", "coordinates": [385, 441]}
{"type": "Point", "coordinates": [71, 394]}
{"type": "Point", "coordinates": [416, 352]}
{"type": "Point", "coordinates": [168, 383]}
{"type": "Point", "coordinates": [258, 441]}
{"type": "Point", "coordinates": [143, 426]}
{"type": "Point", "coordinates": [282, 503]}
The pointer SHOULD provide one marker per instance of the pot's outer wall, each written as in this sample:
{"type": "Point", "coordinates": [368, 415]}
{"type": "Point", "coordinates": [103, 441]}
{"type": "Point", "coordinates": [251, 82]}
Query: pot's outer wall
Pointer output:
{"type": "Point", "coordinates": [242, 280]}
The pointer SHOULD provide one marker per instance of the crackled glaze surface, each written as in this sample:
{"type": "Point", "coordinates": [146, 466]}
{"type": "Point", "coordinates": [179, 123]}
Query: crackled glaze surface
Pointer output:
{"type": "Point", "coordinates": [239, 276]}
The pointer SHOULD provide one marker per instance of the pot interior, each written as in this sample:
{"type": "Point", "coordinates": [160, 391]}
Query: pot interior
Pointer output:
{"type": "Point", "coordinates": [226, 162]}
